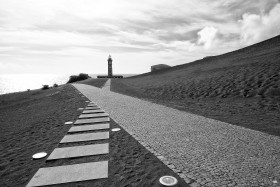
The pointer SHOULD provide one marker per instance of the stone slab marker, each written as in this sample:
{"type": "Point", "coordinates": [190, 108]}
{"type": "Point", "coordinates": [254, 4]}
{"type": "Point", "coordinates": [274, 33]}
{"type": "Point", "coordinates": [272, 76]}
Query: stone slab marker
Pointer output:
{"type": "Point", "coordinates": [98, 115]}
{"type": "Point", "coordinates": [92, 111]}
{"type": "Point", "coordinates": [85, 137]}
{"type": "Point", "coordinates": [91, 120]}
{"type": "Point", "coordinates": [91, 105]}
{"type": "Point", "coordinates": [92, 108]}
{"type": "Point", "coordinates": [89, 127]}
{"type": "Point", "coordinates": [70, 173]}
{"type": "Point", "coordinates": [79, 151]}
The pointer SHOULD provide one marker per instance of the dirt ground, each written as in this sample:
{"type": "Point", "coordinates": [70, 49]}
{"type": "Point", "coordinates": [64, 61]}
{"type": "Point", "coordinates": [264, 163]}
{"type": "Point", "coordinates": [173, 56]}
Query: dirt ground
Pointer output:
{"type": "Point", "coordinates": [33, 122]}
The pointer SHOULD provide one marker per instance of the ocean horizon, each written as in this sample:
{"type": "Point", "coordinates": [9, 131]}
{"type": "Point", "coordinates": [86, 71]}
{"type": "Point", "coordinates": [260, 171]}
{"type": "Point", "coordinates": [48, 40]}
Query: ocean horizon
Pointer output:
{"type": "Point", "coordinates": [10, 83]}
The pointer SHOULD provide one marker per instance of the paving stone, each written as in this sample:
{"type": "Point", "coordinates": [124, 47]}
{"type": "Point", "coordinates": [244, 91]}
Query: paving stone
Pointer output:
{"type": "Point", "coordinates": [161, 158]}
{"type": "Point", "coordinates": [92, 107]}
{"type": "Point", "coordinates": [98, 115]}
{"type": "Point", "coordinates": [89, 127]}
{"type": "Point", "coordinates": [195, 184]}
{"type": "Point", "coordinates": [79, 151]}
{"type": "Point", "coordinates": [85, 137]}
{"type": "Point", "coordinates": [98, 110]}
{"type": "Point", "coordinates": [187, 180]}
{"type": "Point", "coordinates": [177, 170]}
{"type": "Point", "coordinates": [171, 166]}
{"type": "Point", "coordinates": [92, 120]}
{"type": "Point", "coordinates": [69, 173]}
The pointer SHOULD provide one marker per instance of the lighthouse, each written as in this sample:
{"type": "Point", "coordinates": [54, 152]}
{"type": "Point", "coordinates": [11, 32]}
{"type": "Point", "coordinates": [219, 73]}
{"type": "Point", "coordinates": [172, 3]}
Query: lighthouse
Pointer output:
{"type": "Point", "coordinates": [110, 71]}
{"type": "Point", "coordinates": [110, 68]}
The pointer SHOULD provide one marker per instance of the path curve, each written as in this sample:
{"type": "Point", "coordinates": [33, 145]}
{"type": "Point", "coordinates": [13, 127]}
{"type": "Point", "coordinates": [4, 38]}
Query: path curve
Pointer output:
{"type": "Point", "coordinates": [107, 85]}
{"type": "Point", "coordinates": [211, 152]}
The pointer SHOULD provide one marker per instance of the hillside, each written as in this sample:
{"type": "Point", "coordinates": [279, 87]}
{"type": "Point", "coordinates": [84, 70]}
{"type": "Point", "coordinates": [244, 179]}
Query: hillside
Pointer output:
{"type": "Point", "coordinates": [241, 87]}
{"type": "Point", "coordinates": [99, 83]}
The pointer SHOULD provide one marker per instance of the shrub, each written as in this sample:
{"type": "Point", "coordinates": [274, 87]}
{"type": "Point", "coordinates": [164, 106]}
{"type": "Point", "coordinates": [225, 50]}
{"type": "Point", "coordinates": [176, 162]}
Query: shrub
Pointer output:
{"type": "Point", "coordinates": [45, 87]}
{"type": "Point", "coordinates": [55, 85]}
{"type": "Point", "coordinates": [80, 77]}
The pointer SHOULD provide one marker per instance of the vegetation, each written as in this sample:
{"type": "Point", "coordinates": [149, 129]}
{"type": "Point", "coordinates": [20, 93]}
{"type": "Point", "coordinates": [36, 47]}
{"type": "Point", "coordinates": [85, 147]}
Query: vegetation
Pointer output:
{"type": "Point", "coordinates": [45, 87]}
{"type": "Point", "coordinates": [76, 78]}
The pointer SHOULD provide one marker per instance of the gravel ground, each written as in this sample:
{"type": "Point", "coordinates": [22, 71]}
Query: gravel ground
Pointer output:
{"type": "Point", "coordinates": [211, 152]}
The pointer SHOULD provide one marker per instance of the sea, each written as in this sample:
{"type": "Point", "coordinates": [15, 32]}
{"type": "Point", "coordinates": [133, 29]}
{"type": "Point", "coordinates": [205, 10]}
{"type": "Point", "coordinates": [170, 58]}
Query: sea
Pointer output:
{"type": "Point", "coordinates": [11, 83]}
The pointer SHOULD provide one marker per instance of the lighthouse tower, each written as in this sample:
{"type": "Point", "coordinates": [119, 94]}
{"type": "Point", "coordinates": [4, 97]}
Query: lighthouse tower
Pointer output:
{"type": "Point", "coordinates": [110, 69]}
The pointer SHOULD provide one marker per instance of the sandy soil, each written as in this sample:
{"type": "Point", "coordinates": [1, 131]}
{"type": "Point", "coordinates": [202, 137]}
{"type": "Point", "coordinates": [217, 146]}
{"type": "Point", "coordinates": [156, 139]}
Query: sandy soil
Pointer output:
{"type": "Point", "coordinates": [241, 87]}
{"type": "Point", "coordinates": [33, 121]}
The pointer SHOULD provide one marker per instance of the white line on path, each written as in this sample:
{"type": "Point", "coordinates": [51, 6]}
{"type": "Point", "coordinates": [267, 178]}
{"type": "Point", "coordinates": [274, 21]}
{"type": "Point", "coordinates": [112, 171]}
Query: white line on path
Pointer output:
{"type": "Point", "coordinates": [206, 150]}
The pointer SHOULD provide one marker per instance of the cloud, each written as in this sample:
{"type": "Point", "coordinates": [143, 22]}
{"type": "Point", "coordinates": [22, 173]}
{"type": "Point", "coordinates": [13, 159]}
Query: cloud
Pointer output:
{"type": "Point", "coordinates": [77, 30]}
{"type": "Point", "coordinates": [256, 28]}
{"type": "Point", "coordinates": [207, 36]}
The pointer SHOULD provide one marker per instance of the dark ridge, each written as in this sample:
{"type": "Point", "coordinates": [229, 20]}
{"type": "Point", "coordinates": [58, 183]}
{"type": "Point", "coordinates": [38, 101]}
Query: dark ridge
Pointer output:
{"type": "Point", "coordinates": [267, 46]}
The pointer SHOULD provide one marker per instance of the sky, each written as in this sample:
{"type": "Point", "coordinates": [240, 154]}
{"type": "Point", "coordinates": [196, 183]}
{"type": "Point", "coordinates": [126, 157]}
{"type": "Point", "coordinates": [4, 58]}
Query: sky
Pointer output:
{"type": "Point", "coordinates": [74, 36]}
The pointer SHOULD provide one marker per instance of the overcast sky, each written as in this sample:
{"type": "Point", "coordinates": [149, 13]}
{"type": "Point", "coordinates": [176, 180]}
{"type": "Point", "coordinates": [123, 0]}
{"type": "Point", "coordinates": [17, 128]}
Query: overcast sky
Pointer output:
{"type": "Point", "coordinates": [73, 36]}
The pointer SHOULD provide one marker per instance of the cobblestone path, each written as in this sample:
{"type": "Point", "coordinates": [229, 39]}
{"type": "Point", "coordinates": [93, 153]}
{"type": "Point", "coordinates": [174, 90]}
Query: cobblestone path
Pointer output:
{"type": "Point", "coordinates": [107, 85]}
{"type": "Point", "coordinates": [211, 152]}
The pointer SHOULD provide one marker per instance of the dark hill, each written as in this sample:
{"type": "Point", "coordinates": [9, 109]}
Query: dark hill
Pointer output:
{"type": "Point", "coordinates": [241, 87]}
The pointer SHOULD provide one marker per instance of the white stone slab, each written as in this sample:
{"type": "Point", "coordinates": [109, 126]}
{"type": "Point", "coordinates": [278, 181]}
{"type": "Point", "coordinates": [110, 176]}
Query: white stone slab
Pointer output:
{"type": "Point", "coordinates": [85, 137]}
{"type": "Point", "coordinates": [97, 115]}
{"type": "Point", "coordinates": [79, 151]}
{"type": "Point", "coordinates": [93, 111]}
{"type": "Point", "coordinates": [92, 108]}
{"type": "Point", "coordinates": [89, 127]}
{"type": "Point", "coordinates": [91, 120]}
{"type": "Point", "coordinates": [91, 105]}
{"type": "Point", "coordinates": [70, 173]}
